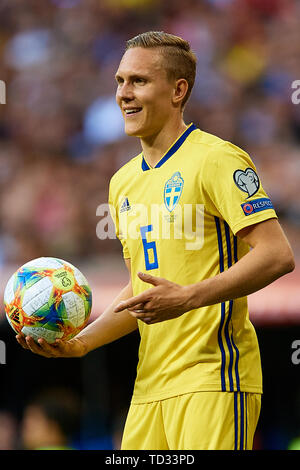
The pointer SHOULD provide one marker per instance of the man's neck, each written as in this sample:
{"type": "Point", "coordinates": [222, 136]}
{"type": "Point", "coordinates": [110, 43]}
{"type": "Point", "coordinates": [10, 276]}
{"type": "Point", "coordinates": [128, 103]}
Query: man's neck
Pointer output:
{"type": "Point", "coordinates": [156, 146]}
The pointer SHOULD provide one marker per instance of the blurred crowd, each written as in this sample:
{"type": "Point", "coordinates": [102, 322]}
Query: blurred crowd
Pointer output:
{"type": "Point", "coordinates": [62, 134]}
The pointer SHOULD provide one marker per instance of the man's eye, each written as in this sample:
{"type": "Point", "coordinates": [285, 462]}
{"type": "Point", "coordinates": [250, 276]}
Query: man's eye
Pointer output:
{"type": "Point", "coordinates": [140, 80]}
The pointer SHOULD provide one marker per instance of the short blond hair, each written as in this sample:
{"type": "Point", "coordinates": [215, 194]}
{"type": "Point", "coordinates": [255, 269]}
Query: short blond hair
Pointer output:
{"type": "Point", "coordinates": [180, 61]}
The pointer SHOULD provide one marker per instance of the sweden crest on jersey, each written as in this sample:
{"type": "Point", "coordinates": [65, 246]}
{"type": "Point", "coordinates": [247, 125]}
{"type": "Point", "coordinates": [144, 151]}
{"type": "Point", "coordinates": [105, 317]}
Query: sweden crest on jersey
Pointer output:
{"type": "Point", "coordinates": [172, 191]}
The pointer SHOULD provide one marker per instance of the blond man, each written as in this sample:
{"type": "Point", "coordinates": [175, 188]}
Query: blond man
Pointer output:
{"type": "Point", "coordinates": [213, 239]}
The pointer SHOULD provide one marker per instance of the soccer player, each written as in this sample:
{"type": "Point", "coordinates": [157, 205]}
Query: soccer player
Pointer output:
{"type": "Point", "coordinates": [199, 235]}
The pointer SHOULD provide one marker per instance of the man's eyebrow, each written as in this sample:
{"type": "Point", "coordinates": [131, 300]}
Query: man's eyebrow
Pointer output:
{"type": "Point", "coordinates": [133, 76]}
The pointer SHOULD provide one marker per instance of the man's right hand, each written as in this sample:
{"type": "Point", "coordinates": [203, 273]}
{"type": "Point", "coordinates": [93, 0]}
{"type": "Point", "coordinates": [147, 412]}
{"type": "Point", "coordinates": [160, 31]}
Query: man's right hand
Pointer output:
{"type": "Point", "coordinates": [75, 347]}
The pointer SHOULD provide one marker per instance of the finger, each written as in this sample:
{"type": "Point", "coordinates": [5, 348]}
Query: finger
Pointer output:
{"type": "Point", "coordinates": [31, 344]}
{"type": "Point", "coordinates": [139, 308]}
{"type": "Point", "coordinates": [62, 348]}
{"type": "Point", "coordinates": [154, 280]}
{"type": "Point", "coordinates": [144, 316]}
{"type": "Point", "coordinates": [148, 321]}
{"type": "Point", "coordinates": [49, 349]}
{"type": "Point", "coordinates": [35, 347]}
{"type": "Point", "coordinates": [21, 341]}
{"type": "Point", "coordinates": [129, 303]}
{"type": "Point", "coordinates": [139, 316]}
{"type": "Point", "coordinates": [58, 344]}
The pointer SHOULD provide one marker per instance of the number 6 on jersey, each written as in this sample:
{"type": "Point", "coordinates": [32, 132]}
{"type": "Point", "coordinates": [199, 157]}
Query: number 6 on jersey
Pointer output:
{"type": "Point", "coordinates": [148, 248]}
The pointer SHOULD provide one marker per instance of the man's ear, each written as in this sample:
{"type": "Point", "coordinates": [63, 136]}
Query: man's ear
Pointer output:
{"type": "Point", "coordinates": [180, 91]}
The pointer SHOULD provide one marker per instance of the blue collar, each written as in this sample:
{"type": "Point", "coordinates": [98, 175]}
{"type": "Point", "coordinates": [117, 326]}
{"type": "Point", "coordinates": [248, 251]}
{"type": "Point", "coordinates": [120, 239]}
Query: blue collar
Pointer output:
{"type": "Point", "coordinates": [177, 144]}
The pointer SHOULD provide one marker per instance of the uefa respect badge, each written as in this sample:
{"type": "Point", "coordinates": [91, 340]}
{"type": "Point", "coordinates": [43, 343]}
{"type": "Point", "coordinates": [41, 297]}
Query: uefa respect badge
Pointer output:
{"type": "Point", "coordinates": [257, 205]}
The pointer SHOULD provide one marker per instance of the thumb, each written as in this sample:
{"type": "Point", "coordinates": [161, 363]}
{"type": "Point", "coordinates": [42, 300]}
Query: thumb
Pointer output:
{"type": "Point", "coordinates": [155, 281]}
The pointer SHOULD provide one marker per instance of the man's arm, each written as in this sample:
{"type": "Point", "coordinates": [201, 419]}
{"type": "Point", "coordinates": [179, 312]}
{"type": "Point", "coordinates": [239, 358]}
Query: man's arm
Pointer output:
{"type": "Point", "coordinates": [270, 258]}
{"type": "Point", "coordinates": [106, 328]}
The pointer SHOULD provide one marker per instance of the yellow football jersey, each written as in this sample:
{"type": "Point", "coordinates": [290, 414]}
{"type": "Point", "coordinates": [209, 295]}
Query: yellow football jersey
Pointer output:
{"type": "Point", "coordinates": [179, 221]}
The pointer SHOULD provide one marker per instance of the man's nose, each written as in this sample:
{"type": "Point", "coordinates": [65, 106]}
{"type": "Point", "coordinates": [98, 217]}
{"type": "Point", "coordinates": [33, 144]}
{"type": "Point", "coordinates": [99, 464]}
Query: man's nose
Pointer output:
{"type": "Point", "coordinates": [125, 92]}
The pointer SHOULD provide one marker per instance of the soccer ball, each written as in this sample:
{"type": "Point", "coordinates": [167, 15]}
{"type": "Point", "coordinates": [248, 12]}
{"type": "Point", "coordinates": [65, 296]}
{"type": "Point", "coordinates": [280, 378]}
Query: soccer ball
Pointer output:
{"type": "Point", "coordinates": [48, 298]}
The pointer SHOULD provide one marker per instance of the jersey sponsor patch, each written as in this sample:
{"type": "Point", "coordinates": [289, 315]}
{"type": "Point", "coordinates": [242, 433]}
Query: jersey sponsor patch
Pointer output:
{"type": "Point", "coordinates": [247, 181]}
{"type": "Point", "coordinates": [257, 205]}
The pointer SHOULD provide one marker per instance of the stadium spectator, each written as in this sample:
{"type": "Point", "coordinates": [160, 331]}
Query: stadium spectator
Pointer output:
{"type": "Point", "coordinates": [50, 421]}
{"type": "Point", "coordinates": [60, 129]}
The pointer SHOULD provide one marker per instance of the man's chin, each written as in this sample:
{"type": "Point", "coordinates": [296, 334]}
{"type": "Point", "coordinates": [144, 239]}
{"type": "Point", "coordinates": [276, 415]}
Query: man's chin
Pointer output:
{"type": "Point", "coordinates": [133, 131]}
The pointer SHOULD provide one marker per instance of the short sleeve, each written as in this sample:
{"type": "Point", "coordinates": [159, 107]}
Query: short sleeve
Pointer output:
{"type": "Point", "coordinates": [114, 210]}
{"type": "Point", "coordinates": [233, 189]}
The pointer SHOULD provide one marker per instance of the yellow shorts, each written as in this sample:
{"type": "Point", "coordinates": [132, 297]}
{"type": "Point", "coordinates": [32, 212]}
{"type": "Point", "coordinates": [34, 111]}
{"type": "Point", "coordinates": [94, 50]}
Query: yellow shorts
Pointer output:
{"type": "Point", "coordinates": [194, 421]}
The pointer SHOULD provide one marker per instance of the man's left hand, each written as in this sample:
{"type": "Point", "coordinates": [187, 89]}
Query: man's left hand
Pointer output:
{"type": "Point", "coordinates": [164, 301]}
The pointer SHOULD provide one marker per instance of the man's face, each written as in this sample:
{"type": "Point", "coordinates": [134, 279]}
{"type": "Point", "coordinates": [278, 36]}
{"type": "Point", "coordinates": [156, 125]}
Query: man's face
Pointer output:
{"type": "Point", "coordinates": [144, 92]}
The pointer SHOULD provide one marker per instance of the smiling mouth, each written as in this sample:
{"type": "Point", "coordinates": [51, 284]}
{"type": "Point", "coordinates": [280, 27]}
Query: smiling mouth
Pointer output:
{"type": "Point", "coordinates": [132, 112]}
